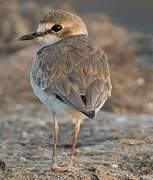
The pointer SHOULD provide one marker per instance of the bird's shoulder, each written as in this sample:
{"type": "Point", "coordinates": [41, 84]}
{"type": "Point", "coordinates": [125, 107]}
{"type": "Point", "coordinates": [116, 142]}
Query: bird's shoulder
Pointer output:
{"type": "Point", "coordinates": [77, 52]}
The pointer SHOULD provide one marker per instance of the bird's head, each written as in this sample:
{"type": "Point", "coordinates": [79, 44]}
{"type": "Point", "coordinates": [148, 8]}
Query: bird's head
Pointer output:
{"type": "Point", "coordinates": [56, 25]}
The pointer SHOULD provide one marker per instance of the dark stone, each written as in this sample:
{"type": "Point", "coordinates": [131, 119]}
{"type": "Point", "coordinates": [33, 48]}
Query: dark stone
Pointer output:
{"type": "Point", "coordinates": [2, 165]}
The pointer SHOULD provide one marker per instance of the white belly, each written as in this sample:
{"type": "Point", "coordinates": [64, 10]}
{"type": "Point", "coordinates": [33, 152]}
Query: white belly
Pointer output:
{"type": "Point", "coordinates": [54, 105]}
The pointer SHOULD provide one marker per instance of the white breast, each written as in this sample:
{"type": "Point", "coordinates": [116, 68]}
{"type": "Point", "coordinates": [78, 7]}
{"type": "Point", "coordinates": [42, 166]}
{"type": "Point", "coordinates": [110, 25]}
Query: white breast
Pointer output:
{"type": "Point", "coordinates": [51, 102]}
{"type": "Point", "coordinates": [63, 111]}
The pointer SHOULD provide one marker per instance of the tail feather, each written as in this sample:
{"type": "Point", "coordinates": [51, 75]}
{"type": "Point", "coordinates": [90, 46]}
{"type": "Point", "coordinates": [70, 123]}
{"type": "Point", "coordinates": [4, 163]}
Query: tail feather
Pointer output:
{"type": "Point", "coordinates": [90, 114]}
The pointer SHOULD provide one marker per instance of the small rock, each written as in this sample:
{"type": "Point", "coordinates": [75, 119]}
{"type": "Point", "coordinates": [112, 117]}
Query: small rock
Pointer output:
{"type": "Point", "coordinates": [2, 165]}
{"type": "Point", "coordinates": [130, 141]}
{"type": "Point", "coordinates": [24, 135]}
{"type": "Point", "coordinates": [114, 166]}
{"type": "Point", "coordinates": [140, 81]}
{"type": "Point", "coordinates": [23, 159]}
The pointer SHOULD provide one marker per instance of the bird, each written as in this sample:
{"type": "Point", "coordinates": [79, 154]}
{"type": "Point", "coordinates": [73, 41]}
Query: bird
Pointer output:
{"type": "Point", "coordinates": [69, 75]}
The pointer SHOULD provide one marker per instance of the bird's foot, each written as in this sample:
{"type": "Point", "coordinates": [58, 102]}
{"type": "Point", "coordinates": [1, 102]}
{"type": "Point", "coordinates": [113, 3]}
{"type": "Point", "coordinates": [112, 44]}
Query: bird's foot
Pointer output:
{"type": "Point", "coordinates": [56, 167]}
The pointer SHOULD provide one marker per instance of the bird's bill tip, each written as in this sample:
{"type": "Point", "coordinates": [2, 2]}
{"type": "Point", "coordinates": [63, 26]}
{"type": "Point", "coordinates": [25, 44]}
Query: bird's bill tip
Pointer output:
{"type": "Point", "coordinates": [28, 36]}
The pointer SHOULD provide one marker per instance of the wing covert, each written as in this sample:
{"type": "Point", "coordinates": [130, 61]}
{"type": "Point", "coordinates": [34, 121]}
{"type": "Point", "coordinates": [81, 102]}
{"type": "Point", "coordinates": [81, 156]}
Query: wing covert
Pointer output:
{"type": "Point", "coordinates": [77, 72]}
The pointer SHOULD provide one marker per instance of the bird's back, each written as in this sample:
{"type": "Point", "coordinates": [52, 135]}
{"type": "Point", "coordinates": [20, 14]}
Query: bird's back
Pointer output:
{"type": "Point", "coordinates": [74, 72]}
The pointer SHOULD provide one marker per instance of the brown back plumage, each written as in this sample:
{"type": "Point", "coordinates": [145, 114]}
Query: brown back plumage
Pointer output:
{"type": "Point", "coordinates": [75, 71]}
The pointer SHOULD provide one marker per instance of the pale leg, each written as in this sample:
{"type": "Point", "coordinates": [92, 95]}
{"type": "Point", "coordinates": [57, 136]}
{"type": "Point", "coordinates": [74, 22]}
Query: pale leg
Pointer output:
{"type": "Point", "coordinates": [56, 132]}
{"type": "Point", "coordinates": [75, 137]}
{"type": "Point", "coordinates": [67, 167]}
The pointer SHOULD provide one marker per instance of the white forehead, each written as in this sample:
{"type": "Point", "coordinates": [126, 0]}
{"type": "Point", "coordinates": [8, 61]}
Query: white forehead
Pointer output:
{"type": "Point", "coordinates": [44, 26]}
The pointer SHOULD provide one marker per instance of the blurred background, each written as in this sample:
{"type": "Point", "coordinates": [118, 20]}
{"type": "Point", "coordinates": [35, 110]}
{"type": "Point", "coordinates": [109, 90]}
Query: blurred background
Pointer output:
{"type": "Point", "coordinates": [122, 28]}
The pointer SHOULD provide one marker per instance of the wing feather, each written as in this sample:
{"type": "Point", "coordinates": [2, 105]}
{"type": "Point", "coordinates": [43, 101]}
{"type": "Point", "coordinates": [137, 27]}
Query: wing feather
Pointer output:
{"type": "Point", "coordinates": [76, 71]}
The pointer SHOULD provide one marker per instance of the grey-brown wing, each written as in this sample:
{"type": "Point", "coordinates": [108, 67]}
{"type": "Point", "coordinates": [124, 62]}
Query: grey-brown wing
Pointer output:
{"type": "Point", "coordinates": [78, 75]}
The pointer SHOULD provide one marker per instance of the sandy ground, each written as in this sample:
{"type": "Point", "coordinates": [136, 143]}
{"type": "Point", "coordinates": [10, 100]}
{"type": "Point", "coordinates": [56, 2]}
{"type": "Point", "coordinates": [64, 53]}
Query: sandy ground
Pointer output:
{"type": "Point", "coordinates": [114, 146]}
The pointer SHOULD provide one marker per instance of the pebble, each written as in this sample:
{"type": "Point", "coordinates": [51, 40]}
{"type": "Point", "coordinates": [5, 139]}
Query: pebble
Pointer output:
{"type": "Point", "coordinates": [2, 165]}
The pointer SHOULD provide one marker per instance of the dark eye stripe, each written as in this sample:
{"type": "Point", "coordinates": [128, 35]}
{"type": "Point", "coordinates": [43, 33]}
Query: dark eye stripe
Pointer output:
{"type": "Point", "coordinates": [56, 28]}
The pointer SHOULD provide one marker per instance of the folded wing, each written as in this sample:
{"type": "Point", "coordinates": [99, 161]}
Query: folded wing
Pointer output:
{"type": "Point", "coordinates": [76, 73]}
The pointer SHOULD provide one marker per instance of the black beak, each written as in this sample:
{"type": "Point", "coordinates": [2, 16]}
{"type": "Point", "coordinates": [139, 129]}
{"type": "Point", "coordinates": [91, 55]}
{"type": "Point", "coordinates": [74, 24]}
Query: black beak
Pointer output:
{"type": "Point", "coordinates": [30, 36]}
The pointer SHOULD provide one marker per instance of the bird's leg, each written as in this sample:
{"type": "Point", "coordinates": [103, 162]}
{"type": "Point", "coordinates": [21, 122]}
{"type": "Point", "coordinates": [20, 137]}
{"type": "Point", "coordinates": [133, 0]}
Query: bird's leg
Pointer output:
{"type": "Point", "coordinates": [67, 167]}
{"type": "Point", "coordinates": [56, 132]}
{"type": "Point", "coordinates": [75, 137]}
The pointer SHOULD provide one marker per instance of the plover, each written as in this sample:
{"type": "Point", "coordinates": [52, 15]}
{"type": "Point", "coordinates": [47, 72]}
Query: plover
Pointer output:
{"type": "Point", "coordinates": [70, 74]}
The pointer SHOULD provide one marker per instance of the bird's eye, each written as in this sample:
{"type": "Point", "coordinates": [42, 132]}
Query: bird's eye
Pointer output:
{"type": "Point", "coordinates": [56, 28]}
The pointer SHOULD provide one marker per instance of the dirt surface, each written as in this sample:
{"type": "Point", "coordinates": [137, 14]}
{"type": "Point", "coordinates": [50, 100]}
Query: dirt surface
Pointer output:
{"type": "Point", "coordinates": [114, 146]}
